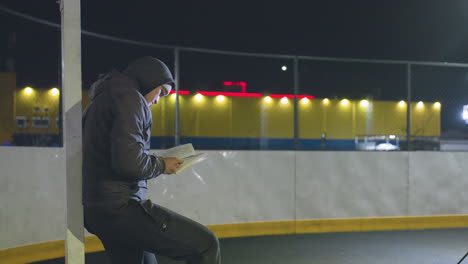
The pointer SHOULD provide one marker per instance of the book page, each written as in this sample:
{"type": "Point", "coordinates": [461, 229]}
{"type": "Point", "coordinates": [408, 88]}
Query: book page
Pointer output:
{"type": "Point", "coordinates": [180, 152]}
{"type": "Point", "coordinates": [190, 161]}
{"type": "Point", "coordinates": [185, 152]}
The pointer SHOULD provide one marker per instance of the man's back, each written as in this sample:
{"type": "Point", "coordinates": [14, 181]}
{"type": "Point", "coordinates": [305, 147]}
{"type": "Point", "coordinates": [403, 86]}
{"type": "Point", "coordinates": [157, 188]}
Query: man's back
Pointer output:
{"type": "Point", "coordinates": [116, 137]}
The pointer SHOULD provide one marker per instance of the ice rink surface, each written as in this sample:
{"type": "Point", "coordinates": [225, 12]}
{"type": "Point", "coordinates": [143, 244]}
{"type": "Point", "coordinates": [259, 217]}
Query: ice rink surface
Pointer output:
{"type": "Point", "coordinates": [439, 246]}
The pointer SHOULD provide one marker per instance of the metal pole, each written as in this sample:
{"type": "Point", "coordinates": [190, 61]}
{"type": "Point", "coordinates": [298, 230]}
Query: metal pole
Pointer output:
{"type": "Point", "coordinates": [177, 80]}
{"type": "Point", "coordinates": [296, 108]}
{"type": "Point", "coordinates": [296, 130]}
{"type": "Point", "coordinates": [71, 105]}
{"type": "Point", "coordinates": [408, 106]}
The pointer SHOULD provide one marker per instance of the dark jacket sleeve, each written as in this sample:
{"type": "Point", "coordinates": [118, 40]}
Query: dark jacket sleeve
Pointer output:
{"type": "Point", "coordinates": [128, 156]}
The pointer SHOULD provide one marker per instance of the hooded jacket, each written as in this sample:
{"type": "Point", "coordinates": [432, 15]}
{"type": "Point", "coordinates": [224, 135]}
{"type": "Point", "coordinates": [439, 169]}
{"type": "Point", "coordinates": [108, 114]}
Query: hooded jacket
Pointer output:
{"type": "Point", "coordinates": [116, 134]}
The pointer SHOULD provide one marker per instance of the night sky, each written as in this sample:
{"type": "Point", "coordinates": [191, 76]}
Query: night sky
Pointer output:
{"type": "Point", "coordinates": [430, 30]}
{"type": "Point", "coordinates": [412, 30]}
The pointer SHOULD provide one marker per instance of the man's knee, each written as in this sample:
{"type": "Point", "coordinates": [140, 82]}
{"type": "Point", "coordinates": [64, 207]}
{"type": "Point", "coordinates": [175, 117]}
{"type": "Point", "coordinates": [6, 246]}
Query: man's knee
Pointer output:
{"type": "Point", "coordinates": [211, 242]}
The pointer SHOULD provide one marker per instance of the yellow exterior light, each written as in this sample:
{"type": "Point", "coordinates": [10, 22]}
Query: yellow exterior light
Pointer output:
{"type": "Point", "coordinates": [420, 105]}
{"type": "Point", "coordinates": [305, 100]}
{"type": "Point", "coordinates": [284, 100]}
{"type": "Point", "coordinates": [220, 98]}
{"type": "Point", "coordinates": [28, 90]}
{"type": "Point", "coordinates": [326, 101]}
{"type": "Point", "coordinates": [437, 105]}
{"type": "Point", "coordinates": [402, 103]}
{"type": "Point", "coordinates": [54, 91]}
{"type": "Point", "coordinates": [364, 103]}
{"type": "Point", "coordinates": [267, 99]}
{"type": "Point", "coordinates": [344, 102]}
{"type": "Point", "coordinates": [198, 97]}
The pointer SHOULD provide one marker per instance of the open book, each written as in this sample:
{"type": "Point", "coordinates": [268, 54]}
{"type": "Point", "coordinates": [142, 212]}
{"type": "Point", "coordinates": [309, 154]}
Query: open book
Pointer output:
{"type": "Point", "coordinates": [185, 152]}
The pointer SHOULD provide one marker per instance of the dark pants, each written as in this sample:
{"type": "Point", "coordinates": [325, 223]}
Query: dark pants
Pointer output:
{"type": "Point", "coordinates": [134, 233]}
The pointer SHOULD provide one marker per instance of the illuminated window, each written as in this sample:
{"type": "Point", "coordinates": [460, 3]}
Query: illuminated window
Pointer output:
{"type": "Point", "coordinates": [21, 122]}
{"type": "Point", "coordinates": [40, 122]}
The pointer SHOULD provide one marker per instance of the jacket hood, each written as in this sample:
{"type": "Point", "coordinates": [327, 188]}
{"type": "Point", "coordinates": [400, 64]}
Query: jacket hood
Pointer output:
{"type": "Point", "coordinates": [150, 73]}
{"type": "Point", "coordinates": [100, 85]}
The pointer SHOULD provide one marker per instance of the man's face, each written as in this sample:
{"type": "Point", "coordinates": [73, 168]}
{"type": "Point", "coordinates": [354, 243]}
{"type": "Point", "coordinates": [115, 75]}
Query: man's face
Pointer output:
{"type": "Point", "coordinates": [161, 91]}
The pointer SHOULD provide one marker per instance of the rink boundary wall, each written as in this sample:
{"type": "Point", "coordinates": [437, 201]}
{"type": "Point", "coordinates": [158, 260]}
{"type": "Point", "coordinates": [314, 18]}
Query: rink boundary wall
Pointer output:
{"type": "Point", "coordinates": [55, 249]}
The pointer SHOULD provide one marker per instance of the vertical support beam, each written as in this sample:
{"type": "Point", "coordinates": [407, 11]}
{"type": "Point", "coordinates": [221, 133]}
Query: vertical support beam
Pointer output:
{"type": "Point", "coordinates": [370, 118]}
{"type": "Point", "coordinates": [72, 135]}
{"type": "Point", "coordinates": [296, 130]}
{"type": "Point", "coordinates": [353, 117]}
{"type": "Point", "coordinates": [408, 106]}
{"type": "Point", "coordinates": [263, 126]}
{"type": "Point", "coordinates": [408, 134]}
{"type": "Point", "coordinates": [296, 102]}
{"type": "Point", "coordinates": [177, 81]}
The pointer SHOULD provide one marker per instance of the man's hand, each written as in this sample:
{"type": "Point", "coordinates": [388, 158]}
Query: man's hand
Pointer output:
{"type": "Point", "coordinates": [172, 164]}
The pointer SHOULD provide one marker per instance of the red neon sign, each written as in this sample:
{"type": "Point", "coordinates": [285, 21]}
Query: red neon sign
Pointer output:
{"type": "Point", "coordinates": [291, 96]}
{"type": "Point", "coordinates": [243, 85]}
{"type": "Point", "coordinates": [233, 94]}
{"type": "Point", "coordinates": [180, 92]}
